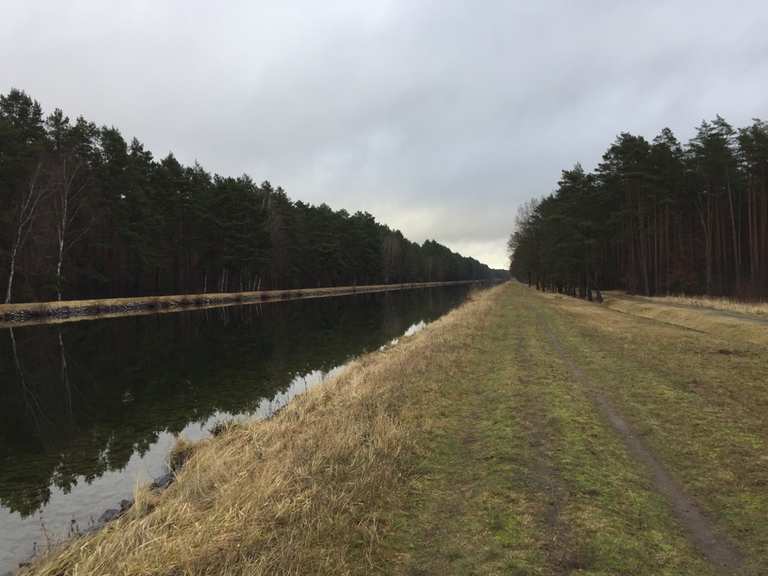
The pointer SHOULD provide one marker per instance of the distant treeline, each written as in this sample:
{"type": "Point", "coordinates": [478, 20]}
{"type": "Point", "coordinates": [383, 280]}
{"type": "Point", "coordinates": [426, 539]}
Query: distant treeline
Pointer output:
{"type": "Point", "coordinates": [655, 218]}
{"type": "Point", "coordinates": [85, 214]}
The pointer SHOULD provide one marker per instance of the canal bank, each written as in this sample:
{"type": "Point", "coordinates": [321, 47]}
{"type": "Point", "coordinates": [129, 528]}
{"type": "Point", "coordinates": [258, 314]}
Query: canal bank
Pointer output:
{"type": "Point", "coordinates": [34, 313]}
{"type": "Point", "coordinates": [88, 409]}
{"type": "Point", "coordinates": [289, 459]}
{"type": "Point", "coordinates": [522, 433]}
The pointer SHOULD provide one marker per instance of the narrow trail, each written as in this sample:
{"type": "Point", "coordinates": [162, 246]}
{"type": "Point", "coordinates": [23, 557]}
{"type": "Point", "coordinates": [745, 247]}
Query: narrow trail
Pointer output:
{"type": "Point", "coordinates": [713, 545]}
{"type": "Point", "coordinates": [547, 478]}
{"type": "Point", "coordinates": [751, 319]}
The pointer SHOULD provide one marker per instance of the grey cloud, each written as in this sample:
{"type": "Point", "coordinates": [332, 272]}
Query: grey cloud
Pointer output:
{"type": "Point", "coordinates": [437, 117]}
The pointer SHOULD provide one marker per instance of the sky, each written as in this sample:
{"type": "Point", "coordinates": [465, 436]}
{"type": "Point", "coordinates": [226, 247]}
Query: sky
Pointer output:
{"type": "Point", "coordinates": [438, 117]}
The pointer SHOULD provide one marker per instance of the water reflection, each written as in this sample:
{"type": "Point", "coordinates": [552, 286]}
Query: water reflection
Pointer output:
{"type": "Point", "coordinates": [88, 409]}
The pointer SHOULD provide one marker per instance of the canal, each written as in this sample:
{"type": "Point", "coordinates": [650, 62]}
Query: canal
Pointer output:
{"type": "Point", "coordinates": [90, 409]}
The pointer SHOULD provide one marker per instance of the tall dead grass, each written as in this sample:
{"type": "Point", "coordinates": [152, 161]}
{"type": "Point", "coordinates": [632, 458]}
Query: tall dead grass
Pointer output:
{"type": "Point", "coordinates": [306, 492]}
{"type": "Point", "coordinates": [757, 308]}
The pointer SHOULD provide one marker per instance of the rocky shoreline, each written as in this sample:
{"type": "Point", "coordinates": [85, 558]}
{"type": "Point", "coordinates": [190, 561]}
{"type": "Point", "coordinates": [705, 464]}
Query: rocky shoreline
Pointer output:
{"type": "Point", "coordinates": [111, 514]}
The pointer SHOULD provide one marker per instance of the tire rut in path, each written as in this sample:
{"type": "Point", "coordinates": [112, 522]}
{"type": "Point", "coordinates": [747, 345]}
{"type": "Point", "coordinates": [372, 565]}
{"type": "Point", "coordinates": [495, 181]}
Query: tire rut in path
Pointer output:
{"type": "Point", "coordinates": [716, 548]}
{"type": "Point", "coordinates": [546, 478]}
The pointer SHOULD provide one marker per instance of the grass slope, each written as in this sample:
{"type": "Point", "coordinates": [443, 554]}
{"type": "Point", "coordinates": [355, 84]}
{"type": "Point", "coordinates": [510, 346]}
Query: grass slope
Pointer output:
{"type": "Point", "coordinates": [471, 448]}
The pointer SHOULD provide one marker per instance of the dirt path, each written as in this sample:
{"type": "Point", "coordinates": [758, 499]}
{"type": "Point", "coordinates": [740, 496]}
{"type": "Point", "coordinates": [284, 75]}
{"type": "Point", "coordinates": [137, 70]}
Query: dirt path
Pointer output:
{"type": "Point", "coordinates": [715, 547]}
{"type": "Point", "coordinates": [714, 312]}
{"type": "Point", "coordinates": [520, 473]}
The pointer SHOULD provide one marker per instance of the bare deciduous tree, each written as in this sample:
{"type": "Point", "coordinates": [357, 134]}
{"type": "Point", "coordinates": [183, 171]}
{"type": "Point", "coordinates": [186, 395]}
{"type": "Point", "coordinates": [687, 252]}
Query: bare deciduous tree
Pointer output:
{"type": "Point", "coordinates": [68, 200]}
{"type": "Point", "coordinates": [28, 205]}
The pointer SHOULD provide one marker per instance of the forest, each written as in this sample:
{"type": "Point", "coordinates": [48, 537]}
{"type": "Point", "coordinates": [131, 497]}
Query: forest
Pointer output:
{"type": "Point", "coordinates": [85, 214]}
{"type": "Point", "coordinates": [655, 218]}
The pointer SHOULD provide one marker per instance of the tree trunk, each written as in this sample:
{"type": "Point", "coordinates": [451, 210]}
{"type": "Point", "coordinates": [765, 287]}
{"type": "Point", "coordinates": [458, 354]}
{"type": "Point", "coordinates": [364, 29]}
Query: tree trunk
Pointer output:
{"type": "Point", "coordinates": [11, 273]}
{"type": "Point", "coordinates": [26, 215]}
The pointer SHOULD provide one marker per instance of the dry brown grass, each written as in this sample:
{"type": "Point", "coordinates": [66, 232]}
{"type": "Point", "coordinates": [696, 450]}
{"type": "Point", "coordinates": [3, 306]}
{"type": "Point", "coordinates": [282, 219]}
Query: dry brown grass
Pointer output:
{"type": "Point", "coordinates": [300, 493]}
{"type": "Point", "coordinates": [734, 324]}
{"type": "Point", "coordinates": [756, 308]}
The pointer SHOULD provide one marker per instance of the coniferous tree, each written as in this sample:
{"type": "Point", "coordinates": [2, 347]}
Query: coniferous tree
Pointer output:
{"type": "Point", "coordinates": [86, 214]}
{"type": "Point", "coordinates": [655, 218]}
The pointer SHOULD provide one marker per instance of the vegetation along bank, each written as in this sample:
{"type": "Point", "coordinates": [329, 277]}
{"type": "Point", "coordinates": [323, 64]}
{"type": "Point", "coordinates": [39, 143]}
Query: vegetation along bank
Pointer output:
{"type": "Point", "coordinates": [86, 214]}
{"type": "Point", "coordinates": [12, 315]}
{"type": "Point", "coordinates": [523, 433]}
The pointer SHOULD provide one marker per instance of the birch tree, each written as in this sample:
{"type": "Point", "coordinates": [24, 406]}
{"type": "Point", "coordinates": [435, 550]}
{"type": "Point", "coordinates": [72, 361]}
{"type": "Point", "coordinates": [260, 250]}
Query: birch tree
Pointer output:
{"type": "Point", "coordinates": [72, 147]}
{"type": "Point", "coordinates": [28, 205]}
{"type": "Point", "coordinates": [68, 196]}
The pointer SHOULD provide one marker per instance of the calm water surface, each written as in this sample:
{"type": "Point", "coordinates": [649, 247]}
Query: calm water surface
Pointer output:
{"type": "Point", "coordinates": [89, 409]}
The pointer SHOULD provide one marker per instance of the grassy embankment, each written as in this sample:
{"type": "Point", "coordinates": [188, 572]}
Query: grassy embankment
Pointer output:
{"type": "Point", "coordinates": [483, 445]}
{"type": "Point", "coordinates": [30, 313]}
{"type": "Point", "coordinates": [756, 308]}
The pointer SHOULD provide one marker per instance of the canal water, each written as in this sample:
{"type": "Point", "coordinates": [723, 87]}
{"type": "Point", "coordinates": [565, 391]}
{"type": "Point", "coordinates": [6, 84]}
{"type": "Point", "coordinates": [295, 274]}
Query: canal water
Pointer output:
{"type": "Point", "coordinates": [90, 409]}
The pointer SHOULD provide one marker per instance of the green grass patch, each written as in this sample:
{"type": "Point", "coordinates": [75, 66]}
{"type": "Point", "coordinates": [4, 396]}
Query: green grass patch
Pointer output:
{"type": "Point", "coordinates": [520, 475]}
{"type": "Point", "coordinates": [699, 399]}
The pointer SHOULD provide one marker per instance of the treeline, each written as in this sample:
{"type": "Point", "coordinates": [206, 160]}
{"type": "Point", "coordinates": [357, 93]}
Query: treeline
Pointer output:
{"type": "Point", "coordinates": [655, 218]}
{"type": "Point", "coordinates": [85, 214]}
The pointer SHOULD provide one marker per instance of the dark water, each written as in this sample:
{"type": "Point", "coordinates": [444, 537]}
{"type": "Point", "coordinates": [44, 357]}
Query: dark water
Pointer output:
{"type": "Point", "coordinates": [89, 409]}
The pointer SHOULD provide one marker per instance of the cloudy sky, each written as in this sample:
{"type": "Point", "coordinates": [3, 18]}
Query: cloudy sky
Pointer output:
{"type": "Point", "coordinates": [439, 117]}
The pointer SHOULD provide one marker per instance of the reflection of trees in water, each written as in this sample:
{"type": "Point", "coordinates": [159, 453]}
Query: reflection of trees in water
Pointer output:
{"type": "Point", "coordinates": [31, 405]}
{"type": "Point", "coordinates": [64, 371]}
{"type": "Point", "coordinates": [31, 411]}
{"type": "Point", "coordinates": [81, 398]}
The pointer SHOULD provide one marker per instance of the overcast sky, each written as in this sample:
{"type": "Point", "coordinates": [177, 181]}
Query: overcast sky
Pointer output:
{"type": "Point", "coordinates": [437, 117]}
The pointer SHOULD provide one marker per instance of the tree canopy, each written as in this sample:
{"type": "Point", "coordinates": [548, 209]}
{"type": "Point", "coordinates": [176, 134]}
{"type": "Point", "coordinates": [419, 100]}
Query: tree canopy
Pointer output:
{"type": "Point", "coordinates": [86, 214]}
{"type": "Point", "coordinates": [655, 218]}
